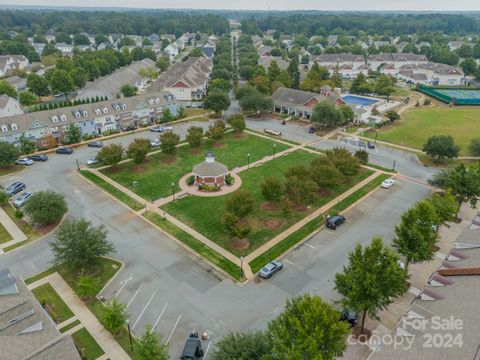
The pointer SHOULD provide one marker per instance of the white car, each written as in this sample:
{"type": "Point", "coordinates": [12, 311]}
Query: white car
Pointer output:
{"type": "Point", "coordinates": [155, 143]}
{"type": "Point", "coordinates": [21, 199]}
{"type": "Point", "coordinates": [24, 161]}
{"type": "Point", "coordinates": [388, 183]}
{"type": "Point", "coordinates": [92, 161]}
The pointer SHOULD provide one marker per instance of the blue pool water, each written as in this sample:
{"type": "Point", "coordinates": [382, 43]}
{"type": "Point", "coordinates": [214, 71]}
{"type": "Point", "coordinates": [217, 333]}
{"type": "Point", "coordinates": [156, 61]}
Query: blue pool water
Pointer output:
{"type": "Point", "coordinates": [357, 100]}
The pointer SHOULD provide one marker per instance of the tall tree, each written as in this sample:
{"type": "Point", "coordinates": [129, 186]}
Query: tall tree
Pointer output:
{"type": "Point", "coordinates": [327, 114]}
{"type": "Point", "coordinates": [371, 281]}
{"type": "Point", "coordinates": [8, 154]}
{"type": "Point", "coordinates": [441, 147]}
{"type": "Point", "coordinates": [241, 203]}
{"type": "Point", "coordinates": [111, 154]}
{"type": "Point", "coordinates": [168, 142]}
{"type": "Point", "coordinates": [60, 82]}
{"type": "Point", "coordinates": [216, 100]}
{"type": "Point", "coordinates": [194, 136]}
{"type": "Point", "coordinates": [294, 73]}
{"type": "Point", "coordinates": [445, 206]}
{"type": "Point", "coordinates": [114, 316]}
{"type": "Point", "coordinates": [38, 85]}
{"type": "Point", "coordinates": [138, 150]}
{"type": "Point", "coordinates": [149, 347]}
{"type": "Point", "coordinates": [73, 134]}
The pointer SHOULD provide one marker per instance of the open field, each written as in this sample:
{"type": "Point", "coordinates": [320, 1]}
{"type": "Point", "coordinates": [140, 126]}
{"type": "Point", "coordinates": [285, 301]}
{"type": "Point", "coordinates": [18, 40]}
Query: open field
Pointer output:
{"type": "Point", "coordinates": [197, 211]}
{"type": "Point", "coordinates": [416, 126]}
{"type": "Point", "coordinates": [157, 173]}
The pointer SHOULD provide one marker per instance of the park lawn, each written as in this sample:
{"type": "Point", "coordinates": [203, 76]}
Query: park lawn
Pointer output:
{"type": "Point", "coordinates": [87, 345]}
{"type": "Point", "coordinates": [416, 126]}
{"type": "Point", "coordinates": [197, 212]}
{"type": "Point", "coordinates": [155, 176]}
{"type": "Point", "coordinates": [193, 112]}
{"type": "Point", "coordinates": [4, 235]}
{"type": "Point", "coordinates": [53, 303]}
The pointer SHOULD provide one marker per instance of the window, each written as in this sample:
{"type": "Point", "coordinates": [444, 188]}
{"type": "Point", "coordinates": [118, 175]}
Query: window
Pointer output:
{"type": "Point", "coordinates": [55, 118]}
{"type": "Point", "coordinates": [124, 106]}
{"type": "Point", "coordinates": [64, 117]}
{"type": "Point", "coordinates": [77, 115]}
{"type": "Point", "coordinates": [105, 110]}
{"type": "Point", "coordinates": [98, 111]}
{"type": "Point", "coordinates": [4, 128]}
{"type": "Point", "coordinates": [14, 126]}
{"type": "Point", "coordinates": [85, 113]}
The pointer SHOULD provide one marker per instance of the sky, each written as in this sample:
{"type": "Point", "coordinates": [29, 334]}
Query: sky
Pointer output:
{"type": "Point", "coordinates": [425, 5]}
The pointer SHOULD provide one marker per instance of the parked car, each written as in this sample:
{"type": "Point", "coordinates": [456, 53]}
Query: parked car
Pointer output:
{"type": "Point", "coordinates": [371, 145]}
{"type": "Point", "coordinates": [349, 316]}
{"type": "Point", "coordinates": [161, 128]}
{"type": "Point", "coordinates": [14, 188]}
{"type": "Point", "coordinates": [155, 143]}
{"type": "Point", "coordinates": [192, 349]}
{"type": "Point", "coordinates": [39, 157]}
{"type": "Point", "coordinates": [97, 144]}
{"type": "Point", "coordinates": [387, 183]}
{"type": "Point", "coordinates": [92, 161]}
{"type": "Point", "coordinates": [271, 268]}
{"type": "Point", "coordinates": [21, 199]}
{"type": "Point", "coordinates": [24, 161]}
{"type": "Point", "coordinates": [272, 132]}
{"type": "Point", "coordinates": [335, 221]}
{"type": "Point", "coordinates": [311, 130]}
{"type": "Point", "coordinates": [129, 128]}
{"type": "Point", "coordinates": [64, 150]}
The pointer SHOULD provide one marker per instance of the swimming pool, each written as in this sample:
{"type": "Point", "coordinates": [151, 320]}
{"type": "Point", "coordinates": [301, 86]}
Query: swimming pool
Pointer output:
{"type": "Point", "coordinates": [358, 100]}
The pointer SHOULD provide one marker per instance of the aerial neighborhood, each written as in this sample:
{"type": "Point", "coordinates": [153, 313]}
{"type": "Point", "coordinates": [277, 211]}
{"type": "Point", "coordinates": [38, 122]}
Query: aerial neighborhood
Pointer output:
{"type": "Point", "coordinates": [225, 184]}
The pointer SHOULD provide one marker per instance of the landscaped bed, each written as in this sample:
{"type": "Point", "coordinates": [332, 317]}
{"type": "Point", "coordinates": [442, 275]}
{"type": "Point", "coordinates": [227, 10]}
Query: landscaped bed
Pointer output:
{"type": "Point", "coordinates": [205, 214]}
{"type": "Point", "coordinates": [153, 178]}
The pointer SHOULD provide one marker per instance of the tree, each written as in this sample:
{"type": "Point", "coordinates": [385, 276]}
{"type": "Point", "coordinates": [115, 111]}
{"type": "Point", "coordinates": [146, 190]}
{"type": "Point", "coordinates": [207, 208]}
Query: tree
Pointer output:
{"type": "Point", "coordinates": [195, 53]}
{"type": "Point", "coordinates": [294, 73]}
{"type": "Point", "coordinates": [73, 135]}
{"type": "Point", "coordinates": [308, 328]}
{"type": "Point", "coordinates": [414, 238]}
{"type": "Point", "coordinates": [315, 79]}
{"type": "Point", "coordinates": [167, 115]}
{"type": "Point", "coordinates": [324, 173]}
{"type": "Point", "coordinates": [241, 203]}
{"type": "Point", "coordinates": [360, 85]}
{"type": "Point", "coordinates": [26, 146]}
{"type": "Point", "coordinates": [79, 77]}
{"type": "Point", "coordinates": [110, 155]}
{"type": "Point", "coordinates": [217, 130]}
{"type": "Point", "coordinates": [345, 162]}
{"type": "Point", "coordinates": [79, 245]}
{"type": "Point", "coordinates": [26, 98]}
{"type": "Point", "coordinates": [392, 115]}
{"type": "Point", "coordinates": [299, 189]}
{"type": "Point", "coordinates": [474, 147]}
{"type": "Point", "coordinates": [347, 113]}
{"type": "Point", "coordinates": [60, 81]}
{"type": "Point", "coordinates": [241, 346]}
{"type": "Point", "coordinates": [469, 66]}
{"type": "Point", "coordinates": [371, 281]}
{"type": "Point", "coordinates": [445, 206]}
{"type": "Point", "coordinates": [45, 207]}
{"type": "Point", "coordinates": [273, 71]}
{"type": "Point", "coordinates": [384, 85]}
{"type": "Point", "coordinates": [7, 89]}
{"type": "Point", "coordinates": [237, 122]}
{"type": "Point", "coordinates": [8, 154]}
{"type": "Point", "coordinates": [138, 150]}
{"type": "Point", "coordinates": [128, 90]}
{"type": "Point", "coordinates": [87, 287]}
{"type": "Point", "coordinates": [327, 114]}
{"type": "Point", "coordinates": [169, 141]}
{"type": "Point", "coordinates": [38, 85]}
{"type": "Point", "coordinates": [272, 189]}
{"type": "Point", "coordinates": [163, 63]}
{"type": "Point", "coordinates": [149, 347]}
{"type": "Point", "coordinates": [217, 101]}
{"type": "Point", "coordinates": [148, 72]}
{"type": "Point", "coordinates": [441, 147]}
{"type": "Point", "coordinates": [362, 156]}
{"type": "Point", "coordinates": [194, 136]}
{"type": "Point", "coordinates": [114, 316]}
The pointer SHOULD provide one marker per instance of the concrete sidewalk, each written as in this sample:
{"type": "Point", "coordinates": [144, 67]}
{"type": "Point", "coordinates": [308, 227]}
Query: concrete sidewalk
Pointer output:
{"type": "Point", "coordinates": [106, 341]}
{"type": "Point", "coordinates": [15, 232]}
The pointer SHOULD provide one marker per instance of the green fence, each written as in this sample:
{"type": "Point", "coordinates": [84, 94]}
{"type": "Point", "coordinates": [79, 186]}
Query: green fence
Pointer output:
{"type": "Point", "coordinates": [446, 98]}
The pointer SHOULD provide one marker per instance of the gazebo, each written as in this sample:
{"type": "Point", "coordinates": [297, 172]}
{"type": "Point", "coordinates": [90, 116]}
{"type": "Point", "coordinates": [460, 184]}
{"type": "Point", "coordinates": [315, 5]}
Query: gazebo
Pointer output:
{"type": "Point", "coordinates": [210, 172]}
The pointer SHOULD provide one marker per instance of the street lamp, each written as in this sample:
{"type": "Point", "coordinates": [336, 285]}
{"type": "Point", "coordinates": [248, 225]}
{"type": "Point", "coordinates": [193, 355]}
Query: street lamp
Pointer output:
{"type": "Point", "coordinates": [248, 156]}
{"type": "Point", "coordinates": [173, 191]}
{"type": "Point", "coordinates": [393, 169]}
{"type": "Point", "coordinates": [376, 135]}
{"type": "Point", "coordinates": [129, 334]}
{"type": "Point", "coordinates": [274, 147]}
{"type": "Point", "coordinates": [241, 266]}
{"type": "Point", "coordinates": [78, 166]}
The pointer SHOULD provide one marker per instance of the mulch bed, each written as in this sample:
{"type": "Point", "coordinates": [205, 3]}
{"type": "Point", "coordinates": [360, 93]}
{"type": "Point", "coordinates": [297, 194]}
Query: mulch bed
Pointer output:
{"type": "Point", "coordinates": [45, 229]}
{"type": "Point", "coordinates": [272, 223]}
{"type": "Point", "coordinates": [299, 207]}
{"type": "Point", "coordinates": [239, 244]}
{"type": "Point", "coordinates": [269, 206]}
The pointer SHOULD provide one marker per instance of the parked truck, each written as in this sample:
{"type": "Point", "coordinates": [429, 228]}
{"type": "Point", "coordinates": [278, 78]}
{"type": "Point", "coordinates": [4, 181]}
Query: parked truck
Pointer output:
{"type": "Point", "coordinates": [193, 348]}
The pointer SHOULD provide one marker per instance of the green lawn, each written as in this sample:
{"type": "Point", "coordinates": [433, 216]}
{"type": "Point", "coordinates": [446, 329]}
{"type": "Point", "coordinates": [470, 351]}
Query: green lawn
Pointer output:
{"type": "Point", "coordinates": [197, 211]}
{"type": "Point", "coordinates": [89, 348]}
{"type": "Point", "coordinates": [30, 232]}
{"type": "Point", "coordinates": [4, 235]}
{"type": "Point", "coordinates": [156, 175]}
{"type": "Point", "coordinates": [11, 169]}
{"type": "Point", "coordinates": [70, 326]}
{"type": "Point", "coordinates": [416, 126]}
{"type": "Point", "coordinates": [192, 112]}
{"type": "Point", "coordinates": [53, 303]}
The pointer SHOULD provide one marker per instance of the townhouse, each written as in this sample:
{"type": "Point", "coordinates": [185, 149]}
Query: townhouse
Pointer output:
{"type": "Point", "coordinates": [9, 106]}
{"type": "Point", "coordinates": [186, 81]}
{"type": "Point", "coordinates": [390, 63]}
{"type": "Point", "coordinates": [46, 128]}
{"type": "Point", "coordinates": [433, 74]}
{"type": "Point", "coordinates": [12, 62]}
{"type": "Point", "coordinates": [347, 65]}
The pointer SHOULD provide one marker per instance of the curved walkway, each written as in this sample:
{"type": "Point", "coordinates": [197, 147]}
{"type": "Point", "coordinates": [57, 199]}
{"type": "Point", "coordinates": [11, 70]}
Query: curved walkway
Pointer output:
{"type": "Point", "coordinates": [193, 190]}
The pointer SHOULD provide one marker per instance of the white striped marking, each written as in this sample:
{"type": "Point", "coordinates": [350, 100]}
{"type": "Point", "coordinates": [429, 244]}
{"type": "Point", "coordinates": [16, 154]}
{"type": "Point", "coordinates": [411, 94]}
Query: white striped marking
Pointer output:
{"type": "Point", "coordinates": [174, 326]}
{"type": "Point", "coordinates": [123, 285]}
{"type": "Point", "coordinates": [134, 295]}
{"type": "Point", "coordinates": [159, 316]}
{"type": "Point", "coordinates": [288, 261]}
{"type": "Point", "coordinates": [145, 308]}
{"type": "Point", "coordinates": [310, 246]}
{"type": "Point", "coordinates": [206, 350]}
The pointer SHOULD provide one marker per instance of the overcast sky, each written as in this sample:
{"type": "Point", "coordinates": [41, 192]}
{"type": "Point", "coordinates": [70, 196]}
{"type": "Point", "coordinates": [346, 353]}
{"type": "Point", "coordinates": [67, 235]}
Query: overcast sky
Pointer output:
{"type": "Point", "coordinates": [429, 5]}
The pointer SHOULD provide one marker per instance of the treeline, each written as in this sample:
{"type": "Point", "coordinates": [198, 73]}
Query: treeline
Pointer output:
{"type": "Point", "coordinates": [142, 23]}
{"type": "Point", "coordinates": [394, 24]}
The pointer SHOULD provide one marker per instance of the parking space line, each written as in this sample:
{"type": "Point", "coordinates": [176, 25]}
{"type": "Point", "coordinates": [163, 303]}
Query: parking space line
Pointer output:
{"type": "Point", "coordinates": [174, 327]}
{"type": "Point", "coordinates": [145, 308]}
{"type": "Point", "coordinates": [134, 295]}
{"type": "Point", "coordinates": [310, 246]}
{"type": "Point", "coordinates": [123, 285]}
{"type": "Point", "coordinates": [206, 350]}
{"type": "Point", "coordinates": [159, 316]}
{"type": "Point", "coordinates": [288, 261]}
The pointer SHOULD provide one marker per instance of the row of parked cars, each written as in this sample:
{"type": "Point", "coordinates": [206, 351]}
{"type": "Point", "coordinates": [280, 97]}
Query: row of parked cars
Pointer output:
{"type": "Point", "coordinates": [15, 188]}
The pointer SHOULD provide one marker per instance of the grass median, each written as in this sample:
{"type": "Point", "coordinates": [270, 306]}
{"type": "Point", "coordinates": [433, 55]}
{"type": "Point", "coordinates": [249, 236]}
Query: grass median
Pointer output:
{"type": "Point", "coordinates": [112, 190]}
{"type": "Point", "coordinates": [86, 344]}
{"type": "Point", "coordinates": [197, 246]}
{"type": "Point", "coordinates": [52, 303]}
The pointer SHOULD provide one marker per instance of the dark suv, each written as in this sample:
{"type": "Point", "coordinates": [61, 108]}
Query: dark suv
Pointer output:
{"type": "Point", "coordinates": [64, 150]}
{"type": "Point", "coordinates": [192, 349]}
{"type": "Point", "coordinates": [335, 221]}
{"type": "Point", "coordinates": [14, 188]}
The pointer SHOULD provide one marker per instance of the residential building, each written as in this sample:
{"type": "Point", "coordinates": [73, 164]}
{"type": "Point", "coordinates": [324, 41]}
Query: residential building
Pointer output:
{"type": "Point", "coordinates": [169, 37]}
{"type": "Point", "coordinates": [454, 45]}
{"type": "Point", "coordinates": [431, 73]}
{"type": "Point", "coordinates": [172, 50]}
{"type": "Point", "coordinates": [45, 127]}
{"type": "Point", "coordinates": [394, 61]}
{"type": "Point", "coordinates": [264, 50]}
{"type": "Point", "coordinates": [26, 330]}
{"type": "Point", "coordinates": [9, 106]}
{"type": "Point", "coordinates": [137, 39]}
{"type": "Point", "coordinates": [110, 85]}
{"type": "Point", "coordinates": [38, 47]}
{"type": "Point", "coordinates": [186, 81]}
{"type": "Point", "coordinates": [267, 60]}
{"type": "Point", "coordinates": [66, 49]}
{"type": "Point", "coordinates": [12, 62]}
{"type": "Point", "coordinates": [17, 82]}
{"type": "Point", "coordinates": [300, 103]}
{"type": "Point", "coordinates": [208, 50]}
{"type": "Point", "coordinates": [334, 60]}
{"type": "Point", "coordinates": [332, 40]}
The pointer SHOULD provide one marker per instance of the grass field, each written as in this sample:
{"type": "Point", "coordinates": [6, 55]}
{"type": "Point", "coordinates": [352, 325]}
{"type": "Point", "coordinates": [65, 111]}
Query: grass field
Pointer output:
{"type": "Point", "coordinates": [53, 303]}
{"type": "Point", "coordinates": [87, 345]}
{"type": "Point", "coordinates": [157, 173]}
{"type": "Point", "coordinates": [197, 211]}
{"type": "Point", "coordinates": [417, 126]}
{"type": "Point", "coordinates": [4, 235]}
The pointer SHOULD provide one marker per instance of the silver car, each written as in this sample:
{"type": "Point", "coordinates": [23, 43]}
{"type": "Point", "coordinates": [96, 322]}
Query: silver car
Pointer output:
{"type": "Point", "coordinates": [24, 161]}
{"type": "Point", "coordinates": [20, 200]}
{"type": "Point", "coordinates": [271, 268]}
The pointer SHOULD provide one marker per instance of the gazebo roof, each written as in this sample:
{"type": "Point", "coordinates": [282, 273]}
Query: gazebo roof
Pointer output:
{"type": "Point", "coordinates": [207, 169]}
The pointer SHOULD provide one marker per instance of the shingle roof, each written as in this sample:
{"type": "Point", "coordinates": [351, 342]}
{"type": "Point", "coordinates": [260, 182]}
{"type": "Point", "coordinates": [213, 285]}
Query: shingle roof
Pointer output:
{"type": "Point", "coordinates": [298, 98]}
{"type": "Point", "coordinates": [206, 169]}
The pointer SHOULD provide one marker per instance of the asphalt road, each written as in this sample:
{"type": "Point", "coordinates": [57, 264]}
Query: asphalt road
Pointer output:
{"type": "Point", "coordinates": [165, 285]}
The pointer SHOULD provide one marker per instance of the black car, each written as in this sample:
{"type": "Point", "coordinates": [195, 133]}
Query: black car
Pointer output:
{"type": "Point", "coordinates": [311, 130]}
{"type": "Point", "coordinates": [192, 349]}
{"type": "Point", "coordinates": [371, 145]}
{"type": "Point", "coordinates": [335, 221]}
{"type": "Point", "coordinates": [64, 150]}
{"type": "Point", "coordinates": [39, 157]}
{"type": "Point", "coordinates": [14, 188]}
{"type": "Point", "coordinates": [97, 144]}
{"type": "Point", "coordinates": [350, 317]}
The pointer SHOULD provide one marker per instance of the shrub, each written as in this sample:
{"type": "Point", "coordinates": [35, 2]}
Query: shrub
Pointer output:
{"type": "Point", "coordinates": [45, 207]}
{"type": "Point", "coordinates": [362, 156]}
{"type": "Point", "coordinates": [229, 179]}
{"type": "Point", "coordinates": [19, 214]}
{"type": "Point", "coordinates": [190, 180]}
{"type": "Point", "coordinates": [427, 101]}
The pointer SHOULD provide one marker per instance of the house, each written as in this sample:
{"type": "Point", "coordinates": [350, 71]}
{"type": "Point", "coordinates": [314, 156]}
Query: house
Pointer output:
{"type": "Point", "coordinates": [381, 43]}
{"type": "Point", "coordinates": [9, 106]}
{"type": "Point", "coordinates": [110, 85]}
{"type": "Point", "coordinates": [85, 47]}
{"type": "Point", "coordinates": [208, 50]}
{"type": "Point", "coordinates": [168, 37]}
{"type": "Point", "coordinates": [300, 103]}
{"type": "Point", "coordinates": [267, 60]}
{"type": "Point", "coordinates": [397, 60]}
{"type": "Point", "coordinates": [26, 330]}
{"type": "Point", "coordinates": [432, 74]}
{"type": "Point", "coordinates": [362, 44]}
{"type": "Point", "coordinates": [50, 36]}
{"type": "Point", "coordinates": [186, 81]}
{"type": "Point", "coordinates": [332, 40]}
{"type": "Point", "coordinates": [114, 38]}
{"type": "Point", "coordinates": [454, 45]}
{"type": "Point", "coordinates": [12, 62]}
{"type": "Point", "coordinates": [401, 45]}
{"type": "Point", "coordinates": [104, 45]}
{"type": "Point", "coordinates": [137, 39]}
{"type": "Point", "coordinates": [17, 82]}
{"type": "Point", "coordinates": [172, 50]}
{"type": "Point", "coordinates": [264, 50]}
{"type": "Point", "coordinates": [423, 44]}
{"type": "Point", "coordinates": [65, 49]}
{"type": "Point", "coordinates": [334, 60]}
{"type": "Point", "coordinates": [90, 37]}
{"type": "Point", "coordinates": [92, 118]}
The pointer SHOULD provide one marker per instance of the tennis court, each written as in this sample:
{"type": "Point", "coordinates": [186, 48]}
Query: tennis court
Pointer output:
{"type": "Point", "coordinates": [457, 96]}
{"type": "Point", "coordinates": [460, 94]}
